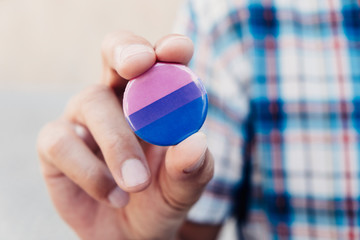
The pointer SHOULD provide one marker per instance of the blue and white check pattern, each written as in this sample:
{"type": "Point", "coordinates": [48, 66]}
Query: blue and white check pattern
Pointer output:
{"type": "Point", "coordinates": [283, 78]}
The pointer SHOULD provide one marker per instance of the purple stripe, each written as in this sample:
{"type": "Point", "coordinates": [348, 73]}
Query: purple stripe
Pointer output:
{"type": "Point", "coordinates": [161, 80]}
{"type": "Point", "coordinates": [165, 105]}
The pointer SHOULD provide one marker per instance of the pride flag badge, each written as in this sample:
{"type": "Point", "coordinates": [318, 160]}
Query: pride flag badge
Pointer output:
{"type": "Point", "coordinates": [166, 104]}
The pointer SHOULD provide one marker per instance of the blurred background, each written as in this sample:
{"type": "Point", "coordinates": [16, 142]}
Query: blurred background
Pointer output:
{"type": "Point", "coordinates": [50, 50]}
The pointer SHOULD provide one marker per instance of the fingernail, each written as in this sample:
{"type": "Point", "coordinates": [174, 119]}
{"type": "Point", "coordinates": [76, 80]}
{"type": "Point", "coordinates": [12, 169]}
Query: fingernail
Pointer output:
{"type": "Point", "coordinates": [174, 40]}
{"type": "Point", "coordinates": [197, 165]}
{"type": "Point", "coordinates": [198, 142]}
{"type": "Point", "coordinates": [135, 50]}
{"type": "Point", "coordinates": [134, 173]}
{"type": "Point", "coordinates": [118, 198]}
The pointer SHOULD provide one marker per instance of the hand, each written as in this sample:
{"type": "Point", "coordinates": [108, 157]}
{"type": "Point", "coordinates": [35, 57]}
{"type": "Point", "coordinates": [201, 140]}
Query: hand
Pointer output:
{"type": "Point", "coordinates": [103, 180]}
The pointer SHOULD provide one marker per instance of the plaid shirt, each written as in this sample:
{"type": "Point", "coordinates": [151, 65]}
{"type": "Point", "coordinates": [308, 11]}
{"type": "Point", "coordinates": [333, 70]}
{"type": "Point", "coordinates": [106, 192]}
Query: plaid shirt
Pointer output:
{"type": "Point", "coordinates": [283, 78]}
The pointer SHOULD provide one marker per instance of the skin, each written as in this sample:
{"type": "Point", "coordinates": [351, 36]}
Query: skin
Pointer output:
{"type": "Point", "coordinates": [82, 154]}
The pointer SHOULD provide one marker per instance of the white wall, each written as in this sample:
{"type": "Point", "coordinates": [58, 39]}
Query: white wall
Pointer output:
{"type": "Point", "coordinates": [54, 43]}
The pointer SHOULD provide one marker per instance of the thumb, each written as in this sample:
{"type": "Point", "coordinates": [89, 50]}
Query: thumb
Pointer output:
{"type": "Point", "coordinates": [188, 168]}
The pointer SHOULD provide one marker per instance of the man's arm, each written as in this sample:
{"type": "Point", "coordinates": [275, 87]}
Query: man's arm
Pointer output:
{"type": "Point", "coordinates": [194, 231]}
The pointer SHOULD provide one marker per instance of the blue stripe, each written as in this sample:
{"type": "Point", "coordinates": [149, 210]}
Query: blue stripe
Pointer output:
{"type": "Point", "coordinates": [165, 105]}
{"type": "Point", "coordinates": [177, 125]}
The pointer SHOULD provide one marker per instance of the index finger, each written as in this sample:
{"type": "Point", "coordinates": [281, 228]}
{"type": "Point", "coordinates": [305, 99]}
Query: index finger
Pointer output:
{"type": "Point", "coordinates": [125, 56]}
{"type": "Point", "coordinates": [99, 110]}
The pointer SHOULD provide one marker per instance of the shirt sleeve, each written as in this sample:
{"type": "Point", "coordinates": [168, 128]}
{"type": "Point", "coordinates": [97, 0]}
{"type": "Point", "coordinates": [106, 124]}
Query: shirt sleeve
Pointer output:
{"type": "Point", "coordinates": [220, 64]}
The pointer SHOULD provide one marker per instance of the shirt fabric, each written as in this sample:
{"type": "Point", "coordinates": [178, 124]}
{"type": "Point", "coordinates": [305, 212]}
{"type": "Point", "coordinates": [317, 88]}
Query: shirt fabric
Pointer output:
{"type": "Point", "coordinates": [283, 80]}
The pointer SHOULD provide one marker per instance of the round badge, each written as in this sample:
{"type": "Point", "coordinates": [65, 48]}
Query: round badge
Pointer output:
{"type": "Point", "coordinates": [166, 104]}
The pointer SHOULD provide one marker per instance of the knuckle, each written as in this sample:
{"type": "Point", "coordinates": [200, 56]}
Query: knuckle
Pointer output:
{"type": "Point", "coordinates": [87, 96]}
{"type": "Point", "coordinates": [114, 141]}
{"type": "Point", "coordinates": [175, 204]}
{"type": "Point", "coordinates": [42, 138]}
{"type": "Point", "coordinates": [94, 93]}
{"type": "Point", "coordinates": [106, 44]}
{"type": "Point", "coordinates": [123, 145]}
{"type": "Point", "coordinates": [52, 140]}
{"type": "Point", "coordinates": [85, 101]}
{"type": "Point", "coordinates": [110, 41]}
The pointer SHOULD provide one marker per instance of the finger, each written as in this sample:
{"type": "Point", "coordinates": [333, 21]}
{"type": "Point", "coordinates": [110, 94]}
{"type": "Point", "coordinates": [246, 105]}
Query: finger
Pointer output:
{"type": "Point", "coordinates": [85, 135]}
{"type": "Point", "coordinates": [174, 48]}
{"type": "Point", "coordinates": [64, 152]}
{"type": "Point", "coordinates": [188, 168]}
{"type": "Point", "coordinates": [99, 109]}
{"type": "Point", "coordinates": [125, 56]}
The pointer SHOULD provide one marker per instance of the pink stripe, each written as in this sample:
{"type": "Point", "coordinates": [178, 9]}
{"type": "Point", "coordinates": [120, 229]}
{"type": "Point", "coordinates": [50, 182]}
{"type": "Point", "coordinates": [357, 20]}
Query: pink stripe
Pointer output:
{"type": "Point", "coordinates": [161, 80]}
